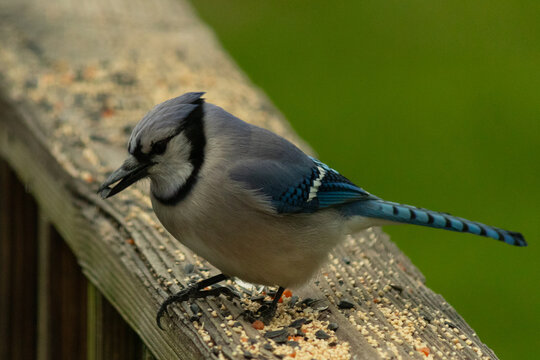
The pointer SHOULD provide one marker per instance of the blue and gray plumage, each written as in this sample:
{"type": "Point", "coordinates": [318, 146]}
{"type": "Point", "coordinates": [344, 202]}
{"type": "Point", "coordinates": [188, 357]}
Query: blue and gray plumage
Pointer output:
{"type": "Point", "coordinates": [321, 187]}
{"type": "Point", "coordinates": [251, 202]}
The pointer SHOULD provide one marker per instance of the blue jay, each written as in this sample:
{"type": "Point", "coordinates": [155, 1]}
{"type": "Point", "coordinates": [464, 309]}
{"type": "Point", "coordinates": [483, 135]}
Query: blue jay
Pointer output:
{"type": "Point", "coordinates": [251, 202]}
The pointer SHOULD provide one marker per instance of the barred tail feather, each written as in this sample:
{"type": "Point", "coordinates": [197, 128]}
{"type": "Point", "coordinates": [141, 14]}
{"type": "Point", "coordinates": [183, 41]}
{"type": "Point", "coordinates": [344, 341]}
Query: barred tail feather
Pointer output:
{"type": "Point", "coordinates": [391, 211]}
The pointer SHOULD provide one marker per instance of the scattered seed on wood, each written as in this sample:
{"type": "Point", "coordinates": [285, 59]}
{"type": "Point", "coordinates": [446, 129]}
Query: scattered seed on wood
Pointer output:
{"type": "Point", "coordinates": [98, 138]}
{"type": "Point", "coordinates": [307, 301]}
{"type": "Point", "coordinates": [258, 324]}
{"type": "Point", "coordinates": [282, 339]}
{"type": "Point", "coordinates": [195, 309]}
{"type": "Point", "coordinates": [31, 83]}
{"type": "Point", "coordinates": [320, 334]}
{"type": "Point", "coordinates": [188, 268]}
{"type": "Point", "coordinates": [451, 325]}
{"type": "Point", "coordinates": [297, 324]}
{"type": "Point", "coordinates": [124, 79]}
{"type": "Point", "coordinates": [424, 350]}
{"type": "Point", "coordinates": [345, 304]}
{"type": "Point", "coordinates": [293, 343]}
{"type": "Point", "coordinates": [332, 326]}
{"type": "Point", "coordinates": [293, 301]}
{"type": "Point", "coordinates": [275, 333]}
{"type": "Point", "coordinates": [127, 129]}
{"type": "Point", "coordinates": [258, 298]}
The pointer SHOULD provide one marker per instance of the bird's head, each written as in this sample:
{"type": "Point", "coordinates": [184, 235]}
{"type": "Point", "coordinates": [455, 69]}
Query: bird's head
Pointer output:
{"type": "Point", "coordinates": [167, 146]}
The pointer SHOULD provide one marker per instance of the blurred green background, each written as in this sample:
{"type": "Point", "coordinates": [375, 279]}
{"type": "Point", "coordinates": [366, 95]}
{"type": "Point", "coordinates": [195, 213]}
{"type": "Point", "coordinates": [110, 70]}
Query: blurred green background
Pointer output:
{"type": "Point", "coordinates": [435, 104]}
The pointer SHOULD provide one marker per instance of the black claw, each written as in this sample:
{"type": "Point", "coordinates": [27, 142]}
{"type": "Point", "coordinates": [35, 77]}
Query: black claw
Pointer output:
{"type": "Point", "coordinates": [191, 293]}
{"type": "Point", "coordinates": [267, 311]}
{"type": "Point", "coordinates": [195, 292]}
{"type": "Point", "coordinates": [178, 297]}
{"type": "Point", "coordinates": [249, 316]}
{"type": "Point", "coordinates": [267, 314]}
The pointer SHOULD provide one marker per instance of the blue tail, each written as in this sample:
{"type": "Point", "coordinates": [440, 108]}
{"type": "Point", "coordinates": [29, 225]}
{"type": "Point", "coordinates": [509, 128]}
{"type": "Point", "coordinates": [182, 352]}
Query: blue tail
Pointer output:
{"type": "Point", "coordinates": [387, 210]}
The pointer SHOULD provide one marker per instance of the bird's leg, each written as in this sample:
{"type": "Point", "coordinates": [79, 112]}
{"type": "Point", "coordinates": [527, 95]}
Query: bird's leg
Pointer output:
{"type": "Point", "coordinates": [267, 312]}
{"type": "Point", "coordinates": [195, 291]}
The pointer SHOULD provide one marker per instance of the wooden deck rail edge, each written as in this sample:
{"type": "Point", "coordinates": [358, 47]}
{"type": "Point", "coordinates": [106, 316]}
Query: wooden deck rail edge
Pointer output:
{"type": "Point", "coordinates": [75, 77]}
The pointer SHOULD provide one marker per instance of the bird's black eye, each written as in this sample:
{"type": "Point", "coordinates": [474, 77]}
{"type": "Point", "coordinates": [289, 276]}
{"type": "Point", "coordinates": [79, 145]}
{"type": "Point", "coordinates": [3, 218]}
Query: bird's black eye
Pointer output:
{"type": "Point", "coordinates": [159, 147]}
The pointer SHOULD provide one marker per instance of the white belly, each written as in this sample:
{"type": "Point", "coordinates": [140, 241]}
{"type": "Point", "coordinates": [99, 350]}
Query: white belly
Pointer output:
{"type": "Point", "coordinates": [244, 241]}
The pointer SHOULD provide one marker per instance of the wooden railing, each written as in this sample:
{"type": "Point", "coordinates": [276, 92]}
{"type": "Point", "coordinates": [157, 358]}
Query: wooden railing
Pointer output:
{"type": "Point", "coordinates": [83, 278]}
{"type": "Point", "coordinates": [50, 310]}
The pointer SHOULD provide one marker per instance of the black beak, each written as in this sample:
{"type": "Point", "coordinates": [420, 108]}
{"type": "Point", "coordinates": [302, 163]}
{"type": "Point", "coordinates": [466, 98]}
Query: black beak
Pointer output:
{"type": "Point", "coordinates": [130, 172]}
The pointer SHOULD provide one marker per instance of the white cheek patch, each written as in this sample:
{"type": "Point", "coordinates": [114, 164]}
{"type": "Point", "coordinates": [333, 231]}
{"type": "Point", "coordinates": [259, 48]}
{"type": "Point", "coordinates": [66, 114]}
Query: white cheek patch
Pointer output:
{"type": "Point", "coordinates": [183, 173]}
{"type": "Point", "coordinates": [173, 168]}
{"type": "Point", "coordinates": [178, 150]}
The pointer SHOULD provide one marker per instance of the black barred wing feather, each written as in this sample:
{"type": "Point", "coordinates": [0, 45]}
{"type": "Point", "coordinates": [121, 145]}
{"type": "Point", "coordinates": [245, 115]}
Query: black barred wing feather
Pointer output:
{"type": "Point", "coordinates": [302, 188]}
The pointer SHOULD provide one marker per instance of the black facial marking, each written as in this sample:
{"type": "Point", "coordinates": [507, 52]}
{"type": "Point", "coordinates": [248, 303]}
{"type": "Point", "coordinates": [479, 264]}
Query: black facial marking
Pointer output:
{"type": "Point", "coordinates": [137, 152]}
{"type": "Point", "coordinates": [159, 147]}
{"type": "Point", "coordinates": [193, 128]}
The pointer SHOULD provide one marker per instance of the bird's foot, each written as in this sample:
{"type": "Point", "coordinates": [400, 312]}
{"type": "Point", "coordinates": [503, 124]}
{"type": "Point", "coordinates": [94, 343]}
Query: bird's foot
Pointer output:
{"type": "Point", "coordinates": [192, 292]}
{"type": "Point", "coordinates": [267, 312]}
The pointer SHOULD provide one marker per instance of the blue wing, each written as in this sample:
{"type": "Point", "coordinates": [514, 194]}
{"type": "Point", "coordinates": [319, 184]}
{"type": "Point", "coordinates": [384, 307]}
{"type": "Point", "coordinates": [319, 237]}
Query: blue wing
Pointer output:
{"type": "Point", "coordinates": [299, 187]}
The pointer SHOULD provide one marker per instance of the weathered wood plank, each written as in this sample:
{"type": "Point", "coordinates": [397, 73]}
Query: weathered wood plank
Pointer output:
{"type": "Point", "coordinates": [80, 75]}
{"type": "Point", "coordinates": [109, 337]}
{"type": "Point", "coordinates": [5, 259]}
{"type": "Point", "coordinates": [44, 321]}
{"type": "Point", "coordinates": [18, 280]}
{"type": "Point", "coordinates": [67, 302]}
